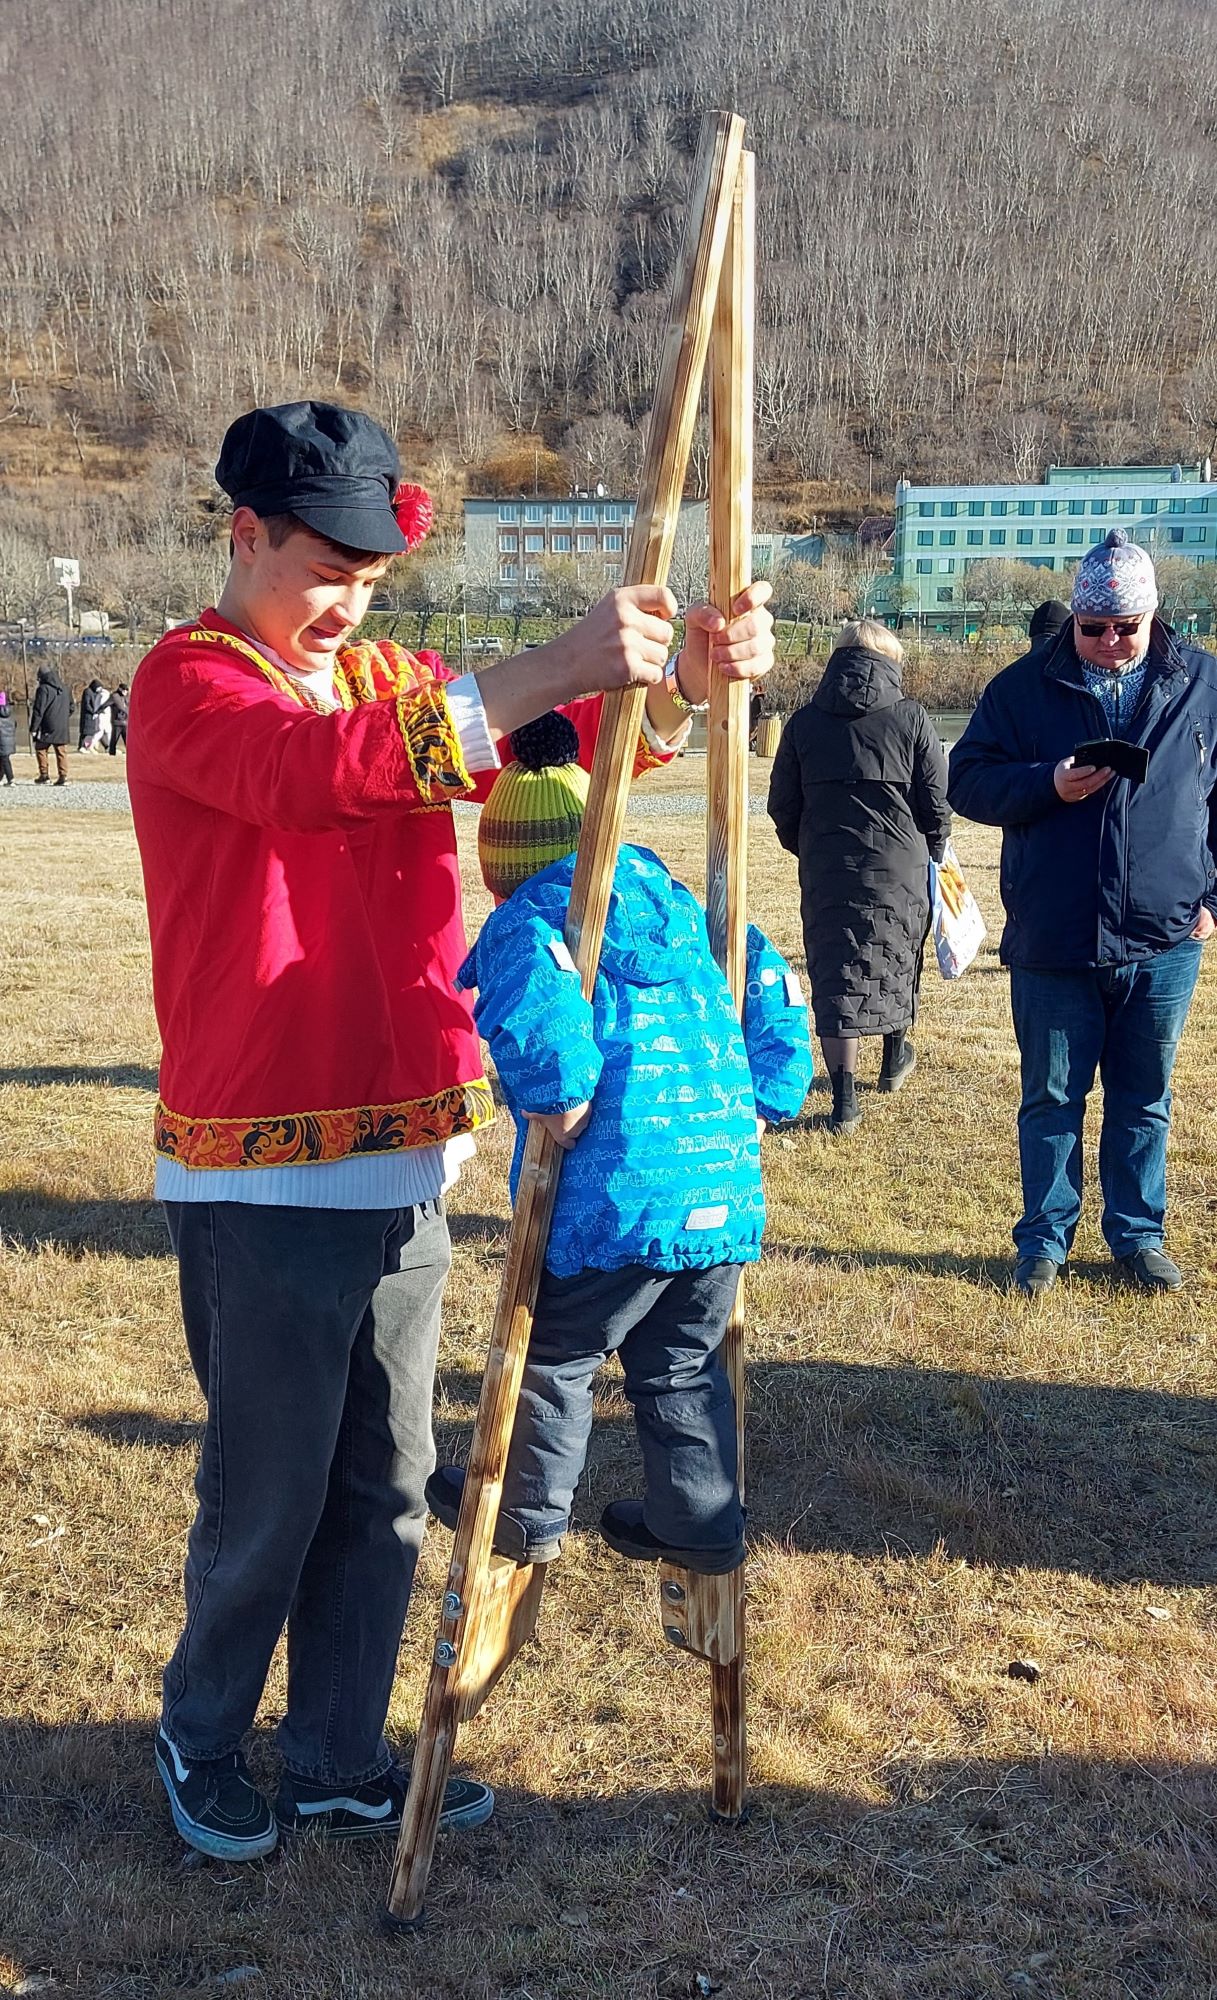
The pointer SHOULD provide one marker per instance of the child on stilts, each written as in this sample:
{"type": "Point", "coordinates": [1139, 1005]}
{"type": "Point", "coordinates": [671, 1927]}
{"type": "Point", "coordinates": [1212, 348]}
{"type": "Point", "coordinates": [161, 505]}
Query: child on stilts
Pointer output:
{"type": "Point", "coordinates": [658, 1097]}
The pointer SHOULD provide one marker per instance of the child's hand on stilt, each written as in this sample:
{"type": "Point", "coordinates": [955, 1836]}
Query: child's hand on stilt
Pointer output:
{"type": "Point", "coordinates": [564, 1127]}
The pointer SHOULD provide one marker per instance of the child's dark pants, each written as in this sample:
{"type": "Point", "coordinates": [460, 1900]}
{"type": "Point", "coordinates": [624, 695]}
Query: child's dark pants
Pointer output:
{"type": "Point", "coordinates": [667, 1327]}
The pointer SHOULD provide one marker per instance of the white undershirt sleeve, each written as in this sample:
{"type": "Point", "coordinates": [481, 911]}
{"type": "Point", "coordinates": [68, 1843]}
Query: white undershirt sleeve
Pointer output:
{"type": "Point", "coordinates": [469, 720]}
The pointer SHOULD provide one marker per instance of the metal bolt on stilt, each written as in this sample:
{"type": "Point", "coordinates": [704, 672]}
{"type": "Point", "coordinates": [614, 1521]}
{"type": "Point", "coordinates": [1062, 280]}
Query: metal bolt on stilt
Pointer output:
{"type": "Point", "coordinates": [452, 1604]}
{"type": "Point", "coordinates": [674, 1634]}
{"type": "Point", "coordinates": [674, 1592]}
{"type": "Point", "coordinates": [445, 1653]}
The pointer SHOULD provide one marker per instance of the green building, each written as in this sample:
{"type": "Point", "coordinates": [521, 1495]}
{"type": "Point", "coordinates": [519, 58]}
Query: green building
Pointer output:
{"type": "Point", "coordinates": [942, 532]}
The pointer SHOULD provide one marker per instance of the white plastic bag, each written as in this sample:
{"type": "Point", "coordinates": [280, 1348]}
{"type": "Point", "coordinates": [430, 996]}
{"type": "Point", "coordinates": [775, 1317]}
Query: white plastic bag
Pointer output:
{"type": "Point", "coordinates": [959, 928]}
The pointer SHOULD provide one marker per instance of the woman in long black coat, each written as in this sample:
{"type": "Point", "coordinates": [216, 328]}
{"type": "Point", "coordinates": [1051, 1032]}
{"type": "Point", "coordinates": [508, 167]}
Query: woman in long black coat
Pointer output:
{"type": "Point", "coordinates": [859, 794]}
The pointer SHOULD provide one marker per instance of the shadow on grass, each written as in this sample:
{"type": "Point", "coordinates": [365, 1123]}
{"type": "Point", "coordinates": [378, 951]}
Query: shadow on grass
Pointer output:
{"type": "Point", "coordinates": [36, 1220]}
{"type": "Point", "coordinates": [141, 1427]}
{"type": "Point", "coordinates": [125, 1076]}
{"type": "Point", "coordinates": [995, 1272]}
{"type": "Point", "coordinates": [938, 1868]}
{"type": "Point", "coordinates": [1115, 1484]}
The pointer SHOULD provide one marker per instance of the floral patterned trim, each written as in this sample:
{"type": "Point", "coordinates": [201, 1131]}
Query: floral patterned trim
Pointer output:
{"type": "Point", "coordinates": [648, 759]}
{"type": "Point", "coordinates": [281, 682]}
{"type": "Point", "coordinates": [432, 744]}
{"type": "Point", "coordinates": [309, 1138]}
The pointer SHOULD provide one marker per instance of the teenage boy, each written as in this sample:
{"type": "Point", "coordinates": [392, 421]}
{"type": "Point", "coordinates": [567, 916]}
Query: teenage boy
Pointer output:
{"type": "Point", "coordinates": [320, 1084]}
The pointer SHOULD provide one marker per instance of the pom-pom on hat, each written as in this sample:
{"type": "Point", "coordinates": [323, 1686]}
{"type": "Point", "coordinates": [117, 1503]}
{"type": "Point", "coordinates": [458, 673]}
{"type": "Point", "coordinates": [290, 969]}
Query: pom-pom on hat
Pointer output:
{"type": "Point", "coordinates": [1115, 580]}
{"type": "Point", "coordinates": [535, 808]}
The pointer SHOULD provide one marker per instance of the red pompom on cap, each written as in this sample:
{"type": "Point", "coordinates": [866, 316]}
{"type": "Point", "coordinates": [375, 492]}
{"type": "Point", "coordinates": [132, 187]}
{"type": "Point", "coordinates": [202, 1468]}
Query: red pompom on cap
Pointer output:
{"type": "Point", "coordinates": [414, 513]}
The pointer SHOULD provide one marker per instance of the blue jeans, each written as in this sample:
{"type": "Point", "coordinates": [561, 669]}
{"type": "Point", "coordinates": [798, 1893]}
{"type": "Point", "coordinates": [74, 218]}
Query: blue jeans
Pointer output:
{"type": "Point", "coordinates": [1125, 1021]}
{"type": "Point", "coordinates": [668, 1328]}
{"type": "Point", "coordinates": [313, 1335]}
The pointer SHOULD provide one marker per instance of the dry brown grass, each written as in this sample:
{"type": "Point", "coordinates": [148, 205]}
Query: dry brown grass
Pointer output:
{"type": "Point", "coordinates": [942, 1481]}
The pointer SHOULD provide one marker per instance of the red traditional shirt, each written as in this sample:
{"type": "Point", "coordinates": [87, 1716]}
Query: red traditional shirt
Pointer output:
{"type": "Point", "coordinates": [304, 901]}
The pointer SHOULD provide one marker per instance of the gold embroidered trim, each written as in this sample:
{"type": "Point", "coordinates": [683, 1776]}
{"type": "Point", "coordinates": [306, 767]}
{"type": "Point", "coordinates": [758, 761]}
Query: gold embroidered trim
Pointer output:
{"type": "Point", "coordinates": [432, 744]}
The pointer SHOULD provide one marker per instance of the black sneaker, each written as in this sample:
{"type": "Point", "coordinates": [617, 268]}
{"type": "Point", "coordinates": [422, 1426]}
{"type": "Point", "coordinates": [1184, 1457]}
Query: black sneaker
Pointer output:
{"type": "Point", "coordinates": [624, 1530]}
{"type": "Point", "coordinates": [354, 1812]}
{"type": "Point", "coordinates": [215, 1804]}
{"type": "Point", "coordinates": [443, 1495]}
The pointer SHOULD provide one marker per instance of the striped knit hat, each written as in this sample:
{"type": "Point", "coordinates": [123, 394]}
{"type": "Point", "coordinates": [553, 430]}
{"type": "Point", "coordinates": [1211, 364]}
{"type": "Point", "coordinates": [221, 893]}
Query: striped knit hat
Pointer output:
{"type": "Point", "coordinates": [535, 808]}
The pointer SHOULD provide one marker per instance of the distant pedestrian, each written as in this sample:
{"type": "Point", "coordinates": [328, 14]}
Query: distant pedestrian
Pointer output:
{"type": "Point", "coordinates": [8, 737]}
{"type": "Point", "coordinates": [1110, 888]}
{"type": "Point", "coordinates": [1047, 620]}
{"type": "Point", "coordinates": [94, 702]}
{"type": "Point", "coordinates": [50, 725]}
{"type": "Point", "coordinates": [118, 718]}
{"type": "Point", "coordinates": [859, 794]}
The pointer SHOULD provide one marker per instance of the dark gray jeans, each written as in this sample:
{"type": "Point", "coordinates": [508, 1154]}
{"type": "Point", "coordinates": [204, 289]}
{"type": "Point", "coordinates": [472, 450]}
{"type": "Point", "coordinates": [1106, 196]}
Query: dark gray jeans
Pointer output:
{"type": "Point", "coordinates": [313, 1334]}
{"type": "Point", "coordinates": [667, 1327]}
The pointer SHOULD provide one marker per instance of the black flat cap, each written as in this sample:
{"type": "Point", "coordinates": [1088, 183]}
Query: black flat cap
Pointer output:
{"type": "Point", "coordinates": [334, 469]}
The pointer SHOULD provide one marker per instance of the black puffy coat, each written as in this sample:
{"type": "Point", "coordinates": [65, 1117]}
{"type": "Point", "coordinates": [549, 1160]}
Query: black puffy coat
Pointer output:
{"type": "Point", "coordinates": [8, 729]}
{"type": "Point", "coordinates": [859, 794]}
{"type": "Point", "coordinates": [51, 710]}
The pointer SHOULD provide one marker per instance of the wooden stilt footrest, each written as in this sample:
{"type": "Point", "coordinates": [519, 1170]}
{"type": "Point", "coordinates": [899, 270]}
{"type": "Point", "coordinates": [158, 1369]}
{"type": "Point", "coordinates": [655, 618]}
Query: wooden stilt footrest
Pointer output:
{"type": "Point", "coordinates": [702, 1614]}
{"type": "Point", "coordinates": [502, 1619]}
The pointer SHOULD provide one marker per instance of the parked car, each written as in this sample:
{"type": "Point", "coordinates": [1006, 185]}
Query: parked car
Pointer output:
{"type": "Point", "coordinates": [489, 647]}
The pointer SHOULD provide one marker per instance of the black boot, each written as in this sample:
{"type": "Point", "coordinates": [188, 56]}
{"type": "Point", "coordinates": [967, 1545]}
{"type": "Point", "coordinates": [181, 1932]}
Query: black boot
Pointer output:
{"type": "Point", "coordinates": [899, 1061]}
{"type": "Point", "coordinates": [846, 1110]}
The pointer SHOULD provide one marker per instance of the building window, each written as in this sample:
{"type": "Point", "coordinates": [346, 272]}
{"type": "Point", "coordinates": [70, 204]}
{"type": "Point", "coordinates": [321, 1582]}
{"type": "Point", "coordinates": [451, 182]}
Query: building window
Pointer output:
{"type": "Point", "coordinates": [559, 512]}
{"type": "Point", "coordinates": [612, 513]}
{"type": "Point", "coordinates": [998, 537]}
{"type": "Point", "coordinates": [1175, 534]}
{"type": "Point", "coordinates": [613, 542]}
{"type": "Point", "coordinates": [509, 543]}
{"type": "Point", "coordinates": [1026, 506]}
{"type": "Point", "coordinates": [946, 538]}
{"type": "Point", "coordinates": [975, 537]}
{"type": "Point", "coordinates": [999, 507]}
{"type": "Point", "coordinates": [946, 595]}
{"type": "Point", "coordinates": [1149, 506]}
{"type": "Point", "coordinates": [532, 573]}
{"type": "Point", "coordinates": [1095, 537]}
{"type": "Point", "coordinates": [509, 513]}
{"type": "Point", "coordinates": [949, 509]}
{"type": "Point", "coordinates": [946, 565]}
{"type": "Point", "coordinates": [1197, 534]}
{"type": "Point", "coordinates": [561, 545]}
{"type": "Point", "coordinates": [1047, 537]}
{"type": "Point", "coordinates": [1047, 506]}
{"type": "Point", "coordinates": [1098, 506]}
{"type": "Point", "coordinates": [976, 507]}
{"type": "Point", "coordinates": [1077, 506]}
{"type": "Point", "coordinates": [1177, 506]}
{"type": "Point", "coordinates": [1200, 506]}
{"type": "Point", "coordinates": [507, 572]}
{"type": "Point", "coordinates": [1128, 506]}
{"type": "Point", "coordinates": [1024, 538]}
{"type": "Point", "coordinates": [534, 544]}
{"type": "Point", "coordinates": [534, 513]}
{"type": "Point", "coordinates": [587, 513]}
{"type": "Point", "coordinates": [926, 509]}
{"type": "Point", "coordinates": [925, 538]}
{"type": "Point", "coordinates": [585, 544]}
{"type": "Point", "coordinates": [612, 572]}
{"type": "Point", "coordinates": [924, 565]}
{"type": "Point", "coordinates": [1074, 536]}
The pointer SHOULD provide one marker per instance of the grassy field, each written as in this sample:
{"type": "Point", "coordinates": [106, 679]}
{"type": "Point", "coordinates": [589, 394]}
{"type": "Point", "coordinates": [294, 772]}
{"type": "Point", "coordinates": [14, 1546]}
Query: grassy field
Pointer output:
{"type": "Point", "coordinates": [943, 1481]}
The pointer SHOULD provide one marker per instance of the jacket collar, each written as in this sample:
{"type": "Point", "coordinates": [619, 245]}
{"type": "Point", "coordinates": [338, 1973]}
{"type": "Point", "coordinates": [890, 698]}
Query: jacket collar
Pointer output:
{"type": "Point", "coordinates": [1060, 662]}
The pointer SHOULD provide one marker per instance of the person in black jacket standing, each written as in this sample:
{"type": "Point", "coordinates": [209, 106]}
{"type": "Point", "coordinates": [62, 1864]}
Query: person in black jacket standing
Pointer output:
{"type": "Point", "coordinates": [859, 794]}
{"type": "Point", "coordinates": [1110, 888]}
{"type": "Point", "coordinates": [118, 706]}
{"type": "Point", "coordinates": [50, 717]}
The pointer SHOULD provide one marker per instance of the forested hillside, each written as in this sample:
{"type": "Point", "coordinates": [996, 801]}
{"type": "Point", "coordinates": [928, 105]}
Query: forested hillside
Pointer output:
{"type": "Point", "coordinates": [987, 239]}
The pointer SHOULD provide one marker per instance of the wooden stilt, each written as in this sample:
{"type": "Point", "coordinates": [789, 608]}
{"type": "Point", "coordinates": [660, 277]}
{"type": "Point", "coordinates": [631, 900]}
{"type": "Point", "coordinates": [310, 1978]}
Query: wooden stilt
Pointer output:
{"type": "Point", "coordinates": [705, 1614]}
{"type": "Point", "coordinates": [479, 1633]}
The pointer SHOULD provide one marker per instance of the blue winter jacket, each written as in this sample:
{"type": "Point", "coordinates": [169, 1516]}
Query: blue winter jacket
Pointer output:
{"type": "Point", "coordinates": [667, 1172]}
{"type": "Point", "coordinates": [1122, 875]}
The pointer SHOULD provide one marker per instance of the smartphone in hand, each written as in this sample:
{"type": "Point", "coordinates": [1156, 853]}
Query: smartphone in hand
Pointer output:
{"type": "Point", "coordinates": [1127, 760]}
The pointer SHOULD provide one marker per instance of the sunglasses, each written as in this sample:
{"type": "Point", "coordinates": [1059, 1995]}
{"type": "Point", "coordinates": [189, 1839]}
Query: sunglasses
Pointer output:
{"type": "Point", "coordinates": [1123, 628]}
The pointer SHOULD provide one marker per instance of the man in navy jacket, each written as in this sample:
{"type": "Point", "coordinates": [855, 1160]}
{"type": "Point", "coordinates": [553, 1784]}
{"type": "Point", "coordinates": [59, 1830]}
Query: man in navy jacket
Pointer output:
{"type": "Point", "coordinates": [1110, 888]}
